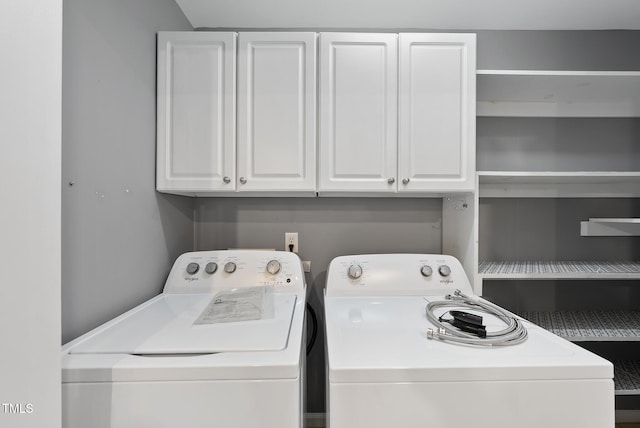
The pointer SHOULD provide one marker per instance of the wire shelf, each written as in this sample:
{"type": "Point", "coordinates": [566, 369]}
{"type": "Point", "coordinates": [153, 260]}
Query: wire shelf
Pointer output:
{"type": "Point", "coordinates": [534, 267]}
{"type": "Point", "coordinates": [619, 325]}
{"type": "Point", "coordinates": [627, 377]}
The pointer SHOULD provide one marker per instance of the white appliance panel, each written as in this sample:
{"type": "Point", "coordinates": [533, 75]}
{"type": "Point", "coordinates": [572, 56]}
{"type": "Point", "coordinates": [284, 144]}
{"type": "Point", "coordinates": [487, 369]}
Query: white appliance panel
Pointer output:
{"type": "Point", "coordinates": [272, 403]}
{"type": "Point", "coordinates": [506, 404]}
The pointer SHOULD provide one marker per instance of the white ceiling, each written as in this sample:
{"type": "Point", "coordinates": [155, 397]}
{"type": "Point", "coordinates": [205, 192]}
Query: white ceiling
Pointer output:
{"type": "Point", "coordinates": [416, 14]}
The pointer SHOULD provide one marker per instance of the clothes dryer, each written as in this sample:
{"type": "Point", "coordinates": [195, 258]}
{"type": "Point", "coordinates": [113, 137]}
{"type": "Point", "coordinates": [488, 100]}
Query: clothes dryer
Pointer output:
{"type": "Point", "coordinates": [389, 365]}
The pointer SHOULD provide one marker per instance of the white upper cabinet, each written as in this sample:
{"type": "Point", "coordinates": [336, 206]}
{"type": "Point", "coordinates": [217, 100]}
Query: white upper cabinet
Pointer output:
{"type": "Point", "coordinates": [358, 112]}
{"type": "Point", "coordinates": [397, 113]}
{"type": "Point", "coordinates": [196, 112]}
{"type": "Point", "coordinates": [276, 112]}
{"type": "Point", "coordinates": [436, 138]}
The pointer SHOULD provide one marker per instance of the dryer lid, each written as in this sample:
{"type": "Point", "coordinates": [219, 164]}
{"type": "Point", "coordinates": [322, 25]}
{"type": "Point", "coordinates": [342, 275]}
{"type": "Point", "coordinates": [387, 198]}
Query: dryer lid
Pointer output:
{"type": "Point", "coordinates": [174, 324]}
{"type": "Point", "coordinates": [384, 339]}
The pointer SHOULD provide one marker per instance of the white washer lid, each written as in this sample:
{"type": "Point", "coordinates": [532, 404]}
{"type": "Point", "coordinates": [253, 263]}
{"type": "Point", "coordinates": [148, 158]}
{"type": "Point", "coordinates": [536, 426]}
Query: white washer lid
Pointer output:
{"type": "Point", "coordinates": [166, 326]}
{"type": "Point", "coordinates": [384, 339]}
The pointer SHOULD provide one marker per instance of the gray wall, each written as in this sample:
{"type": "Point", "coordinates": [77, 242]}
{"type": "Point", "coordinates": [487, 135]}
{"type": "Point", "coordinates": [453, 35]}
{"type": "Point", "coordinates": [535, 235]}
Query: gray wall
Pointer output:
{"type": "Point", "coordinates": [549, 229]}
{"type": "Point", "coordinates": [558, 144]}
{"type": "Point", "coordinates": [119, 236]}
{"type": "Point", "coordinates": [559, 50]}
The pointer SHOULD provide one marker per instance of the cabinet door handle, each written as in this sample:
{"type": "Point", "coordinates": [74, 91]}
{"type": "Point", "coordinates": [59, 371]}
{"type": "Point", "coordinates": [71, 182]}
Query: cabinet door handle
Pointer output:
{"type": "Point", "coordinates": [405, 181]}
{"type": "Point", "coordinates": [227, 180]}
{"type": "Point", "coordinates": [243, 180]}
{"type": "Point", "coordinates": [391, 180]}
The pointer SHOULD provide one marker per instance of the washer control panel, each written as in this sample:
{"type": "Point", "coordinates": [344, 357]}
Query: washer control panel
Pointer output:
{"type": "Point", "coordinates": [396, 274]}
{"type": "Point", "coordinates": [207, 271]}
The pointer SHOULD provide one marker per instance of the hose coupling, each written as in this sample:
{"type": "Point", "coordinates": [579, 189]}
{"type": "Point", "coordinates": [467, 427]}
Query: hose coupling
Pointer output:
{"type": "Point", "coordinates": [436, 334]}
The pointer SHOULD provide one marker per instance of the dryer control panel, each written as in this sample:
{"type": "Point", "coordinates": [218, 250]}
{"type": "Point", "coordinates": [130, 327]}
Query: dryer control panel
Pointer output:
{"type": "Point", "coordinates": [396, 275]}
{"type": "Point", "coordinates": [208, 271]}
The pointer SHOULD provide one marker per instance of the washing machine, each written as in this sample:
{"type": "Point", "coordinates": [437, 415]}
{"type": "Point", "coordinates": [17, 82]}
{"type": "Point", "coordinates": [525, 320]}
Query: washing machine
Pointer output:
{"type": "Point", "coordinates": [221, 346]}
{"type": "Point", "coordinates": [409, 345]}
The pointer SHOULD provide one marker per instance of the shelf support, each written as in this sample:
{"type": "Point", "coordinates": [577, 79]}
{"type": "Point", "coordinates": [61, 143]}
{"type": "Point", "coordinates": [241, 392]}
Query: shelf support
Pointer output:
{"type": "Point", "coordinates": [610, 227]}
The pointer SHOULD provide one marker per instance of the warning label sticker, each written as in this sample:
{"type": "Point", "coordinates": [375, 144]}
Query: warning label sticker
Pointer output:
{"type": "Point", "coordinates": [238, 304]}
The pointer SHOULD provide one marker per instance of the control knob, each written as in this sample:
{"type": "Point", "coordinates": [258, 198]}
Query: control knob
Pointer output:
{"type": "Point", "coordinates": [426, 270]}
{"type": "Point", "coordinates": [193, 268]}
{"type": "Point", "coordinates": [230, 267]}
{"type": "Point", "coordinates": [354, 271]}
{"type": "Point", "coordinates": [273, 267]}
{"type": "Point", "coordinates": [444, 270]}
{"type": "Point", "coordinates": [211, 268]}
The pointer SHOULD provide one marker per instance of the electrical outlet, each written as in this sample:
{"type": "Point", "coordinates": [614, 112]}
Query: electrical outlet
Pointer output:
{"type": "Point", "coordinates": [291, 242]}
{"type": "Point", "coordinates": [306, 266]}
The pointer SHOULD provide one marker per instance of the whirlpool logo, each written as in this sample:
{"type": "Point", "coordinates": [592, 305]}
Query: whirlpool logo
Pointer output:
{"type": "Point", "coordinates": [16, 408]}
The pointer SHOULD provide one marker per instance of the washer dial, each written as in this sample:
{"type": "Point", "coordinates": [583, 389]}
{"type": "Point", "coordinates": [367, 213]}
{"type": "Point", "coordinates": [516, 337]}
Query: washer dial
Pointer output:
{"type": "Point", "coordinates": [273, 267]}
{"type": "Point", "coordinates": [211, 268]}
{"type": "Point", "coordinates": [444, 270]}
{"type": "Point", "coordinates": [230, 267]}
{"type": "Point", "coordinates": [426, 270]}
{"type": "Point", "coordinates": [354, 271]}
{"type": "Point", "coordinates": [193, 268]}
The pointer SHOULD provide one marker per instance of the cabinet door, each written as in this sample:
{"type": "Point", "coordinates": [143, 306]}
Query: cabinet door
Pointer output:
{"type": "Point", "coordinates": [358, 112]}
{"type": "Point", "coordinates": [437, 112]}
{"type": "Point", "coordinates": [276, 111]}
{"type": "Point", "coordinates": [196, 112]}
